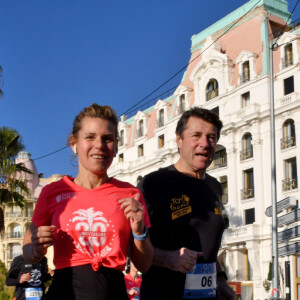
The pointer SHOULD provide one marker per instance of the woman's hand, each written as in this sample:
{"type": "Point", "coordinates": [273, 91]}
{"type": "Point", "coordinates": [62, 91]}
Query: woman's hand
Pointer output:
{"type": "Point", "coordinates": [24, 278]}
{"type": "Point", "coordinates": [134, 212]}
{"type": "Point", "coordinates": [42, 237]}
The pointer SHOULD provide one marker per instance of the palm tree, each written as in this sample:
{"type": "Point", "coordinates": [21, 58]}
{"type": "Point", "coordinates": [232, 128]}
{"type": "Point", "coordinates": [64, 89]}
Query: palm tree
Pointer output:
{"type": "Point", "coordinates": [12, 189]}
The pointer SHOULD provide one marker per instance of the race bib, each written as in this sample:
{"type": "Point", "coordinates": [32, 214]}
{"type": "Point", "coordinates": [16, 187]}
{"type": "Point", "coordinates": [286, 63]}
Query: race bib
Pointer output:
{"type": "Point", "coordinates": [33, 293]}
{"type": "Point", "coordinates": [201, 283]}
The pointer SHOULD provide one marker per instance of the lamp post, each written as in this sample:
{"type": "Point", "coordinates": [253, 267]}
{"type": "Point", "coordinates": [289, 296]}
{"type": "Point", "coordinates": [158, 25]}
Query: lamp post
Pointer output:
{"type": "Point", "coordinates": [275, 277]}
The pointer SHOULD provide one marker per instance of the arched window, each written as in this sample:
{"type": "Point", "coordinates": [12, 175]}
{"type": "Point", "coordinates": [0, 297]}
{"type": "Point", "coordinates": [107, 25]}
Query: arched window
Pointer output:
{"type": "Point", "coordinates": [212, 89]}
{"type": "Point", "coordinates": [288, 134]}
{"type": "Point", "coordinates": [247, 148]}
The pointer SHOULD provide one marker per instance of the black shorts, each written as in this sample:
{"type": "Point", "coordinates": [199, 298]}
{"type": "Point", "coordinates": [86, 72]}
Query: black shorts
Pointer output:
{"type": "Point", "coordinates": [83, 283]}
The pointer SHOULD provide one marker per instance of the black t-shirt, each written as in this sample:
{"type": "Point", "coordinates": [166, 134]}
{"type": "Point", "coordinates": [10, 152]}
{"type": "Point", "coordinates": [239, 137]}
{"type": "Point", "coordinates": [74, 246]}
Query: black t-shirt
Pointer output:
{"type": "Point", "coordinates": [184, 212]}
{"type": "Point", "coordinates": [38, 272]}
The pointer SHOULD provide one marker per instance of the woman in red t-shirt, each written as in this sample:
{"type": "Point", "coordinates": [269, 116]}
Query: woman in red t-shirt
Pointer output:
{"type": "Point", "coordinates": [91, 220]}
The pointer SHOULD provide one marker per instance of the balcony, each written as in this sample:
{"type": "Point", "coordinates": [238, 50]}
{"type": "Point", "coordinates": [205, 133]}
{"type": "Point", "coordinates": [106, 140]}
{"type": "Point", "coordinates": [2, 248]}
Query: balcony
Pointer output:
{"type": "Point", "coordinates": [139, 132]}
{"type": "Point", "coordinates": [289, 184]}
{"type": "Point", "coordinates": [244, 77]}
{"type": "Point", "coordinates": [13, 214]}
{"type": "Point", "coordinates": [286, 61]}
{"type": "Point", "coordinates": [288, 142]}
{"type": "Point", "coordinates": [247, 193]}
{"type": "Point", "coordinates": [246, 153]}
{"type": "Point", "coordinates": [14, 235]}
{"type": "Point", "coordinates": [160, 122]}
{"type": "Point", "coordinates": [218, 163]}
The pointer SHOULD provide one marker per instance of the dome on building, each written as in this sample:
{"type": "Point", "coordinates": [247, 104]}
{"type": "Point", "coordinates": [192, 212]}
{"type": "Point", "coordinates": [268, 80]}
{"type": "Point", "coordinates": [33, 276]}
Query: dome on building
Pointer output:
{"type": "Point", "coordinates": [25, 158]}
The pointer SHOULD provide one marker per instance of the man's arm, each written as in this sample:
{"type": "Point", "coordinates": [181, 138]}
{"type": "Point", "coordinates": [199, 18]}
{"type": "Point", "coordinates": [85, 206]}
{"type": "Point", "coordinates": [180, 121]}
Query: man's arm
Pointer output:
{"type": "Point", "coordinates": [12, 275]}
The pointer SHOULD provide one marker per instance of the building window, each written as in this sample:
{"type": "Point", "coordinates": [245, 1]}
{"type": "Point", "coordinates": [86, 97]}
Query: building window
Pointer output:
{"type": "Point", "coordinates": [224, 186]}
{"type": "Point", "coordinates": [248, 190]}
{"type": "Point", "coordinates": [181, 106]}
{"type": "Point", "coordinates": [288, 134]}
{"type": "Point", "coordinates": [289, 85]}
{"type": "Point", "coordinates": [121, 157]}
{"type": "Point", "coordinates": [161, 141]}
{"type": "Point", "coordinates": [121, 138]}
{"type": "Point", "coordinates": [247, 148]}
{"type": "Point", "coordinates": [245, 75]}
{"type": "Point", "coordinates": [140, 130]}
{"type": "Point", "coordinates": [249, 216]}
{"type": "Point", "coordinates": [141, 150]}
{"type": "Point", "coordinates": [287, 60]}
{"type": "Point", "coordinates": [220, 160]}
{"type": "Point", "coordinates": [212, 89]}
{"type": "Point", "coordinates": [290, 181]}
{"type": "Point", "coordinates": [160, 120]}
{"type": "Point", "coordinates": [245, 99]}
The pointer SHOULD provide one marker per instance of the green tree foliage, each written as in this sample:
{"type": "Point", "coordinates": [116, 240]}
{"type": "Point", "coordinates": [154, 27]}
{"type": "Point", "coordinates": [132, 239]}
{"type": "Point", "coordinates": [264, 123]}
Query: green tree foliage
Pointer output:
{"type": "Point", "coordinates": [12, 189]}
{"type": "Point", "coordinates": [6, 293]}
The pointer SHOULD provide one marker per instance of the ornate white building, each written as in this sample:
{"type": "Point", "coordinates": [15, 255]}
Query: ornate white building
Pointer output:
{"type": "Point", "coordinates": [17, 220]}
{"type": "Point", "coordinates": [229, 72]}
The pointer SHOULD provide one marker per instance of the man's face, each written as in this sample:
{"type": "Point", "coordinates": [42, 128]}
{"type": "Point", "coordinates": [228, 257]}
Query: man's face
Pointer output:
{"type": "Point", "coordinates": [197, 145]}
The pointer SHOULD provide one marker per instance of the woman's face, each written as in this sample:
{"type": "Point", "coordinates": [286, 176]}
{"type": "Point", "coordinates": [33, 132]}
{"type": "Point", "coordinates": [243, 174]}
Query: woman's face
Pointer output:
{"type": "Point", "coordinates": [95, 145]}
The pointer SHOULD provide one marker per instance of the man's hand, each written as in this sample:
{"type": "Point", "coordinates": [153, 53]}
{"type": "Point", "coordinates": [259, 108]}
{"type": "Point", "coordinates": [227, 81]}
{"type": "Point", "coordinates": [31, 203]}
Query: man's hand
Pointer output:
{"type": "Point", "coordinates": [183, 259]}
{"type": "Point", "coordinates": [25, 277]}
{"type": "Point", "coordinates": [224, 291]}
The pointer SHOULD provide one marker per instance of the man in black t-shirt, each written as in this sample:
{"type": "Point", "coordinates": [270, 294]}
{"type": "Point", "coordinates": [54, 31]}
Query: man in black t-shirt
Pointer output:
{"type": "Point", "coordinates": [28, 278]}
{"type": "Point", "coordinates": [185, 209]}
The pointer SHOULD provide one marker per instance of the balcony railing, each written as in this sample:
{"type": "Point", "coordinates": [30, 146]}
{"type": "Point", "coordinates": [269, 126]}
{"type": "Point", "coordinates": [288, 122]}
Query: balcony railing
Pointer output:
{"type": "Point", "coordinates": [244, 77]}
{"type": "Point", "coordinates": [160, 122]}
{"type": "Point", "coordinates": [246, 153]}
{"type": "Point", "coordinates": [13, 214]}
{"type": "Point", "coordinates": [218, 163]}
{"type": "Point", "coordinates": [140, 132]}
{"type": "Point", "coordinates": [289, 184]}
{"type": "Point", "coordinates": [247, 193]}
{"type": "Point", "coordinates": [287, 142]}
{"type": "Point", "coordinates": [14, 235]}
{"type": "Point", "coordinates": [286, 61]}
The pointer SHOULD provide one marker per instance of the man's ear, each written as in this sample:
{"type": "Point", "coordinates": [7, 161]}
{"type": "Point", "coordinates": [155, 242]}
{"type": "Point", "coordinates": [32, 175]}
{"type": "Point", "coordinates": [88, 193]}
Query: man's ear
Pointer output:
{"type": "Point", "coordinates": [178, 141]}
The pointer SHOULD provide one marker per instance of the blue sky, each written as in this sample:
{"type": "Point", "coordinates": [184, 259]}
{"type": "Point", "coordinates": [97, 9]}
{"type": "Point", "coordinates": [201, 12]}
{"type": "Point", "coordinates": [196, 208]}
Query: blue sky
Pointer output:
{"type": "Point", "coordinates": [59, 56]}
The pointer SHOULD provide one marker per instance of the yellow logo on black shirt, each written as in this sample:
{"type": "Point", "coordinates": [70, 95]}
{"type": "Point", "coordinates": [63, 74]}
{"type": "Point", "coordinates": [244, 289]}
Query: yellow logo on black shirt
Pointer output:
{"type": "Point", "coordinates": [180, 206]}
{"type": "Point", "coordinates": [218, 211]}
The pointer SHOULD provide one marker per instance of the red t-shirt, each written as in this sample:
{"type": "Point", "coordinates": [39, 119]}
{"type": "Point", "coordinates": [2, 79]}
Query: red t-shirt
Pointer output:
{"type": "Point", "coordinates": [90, 226]}
{"type": "Point", "coordinates": [131, 283]}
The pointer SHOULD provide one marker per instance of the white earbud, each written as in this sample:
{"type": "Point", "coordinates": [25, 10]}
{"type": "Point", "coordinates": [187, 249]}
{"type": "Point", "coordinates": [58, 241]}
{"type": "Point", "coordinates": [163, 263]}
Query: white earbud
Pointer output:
{"type": "Point", "coordinates": [75, 150]}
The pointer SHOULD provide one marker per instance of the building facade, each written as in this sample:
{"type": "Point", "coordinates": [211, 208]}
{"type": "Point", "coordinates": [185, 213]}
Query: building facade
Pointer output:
{"type": "Point", "coordinates": [16, 219]}
{"type": "Point", "coordinates": [229, 73]}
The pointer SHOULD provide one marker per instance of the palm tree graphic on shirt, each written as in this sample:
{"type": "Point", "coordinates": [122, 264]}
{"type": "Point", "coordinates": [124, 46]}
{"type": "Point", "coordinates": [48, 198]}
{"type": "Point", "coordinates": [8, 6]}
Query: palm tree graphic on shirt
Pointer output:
{"type": "Point", "coordinates": [91, 226]}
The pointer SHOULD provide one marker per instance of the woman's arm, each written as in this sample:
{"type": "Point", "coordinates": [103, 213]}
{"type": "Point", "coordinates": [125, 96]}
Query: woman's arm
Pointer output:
{"type": "Point", "coordinates": [36, 242]}
{"type": "Point", "coordinates": [141, 252]}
